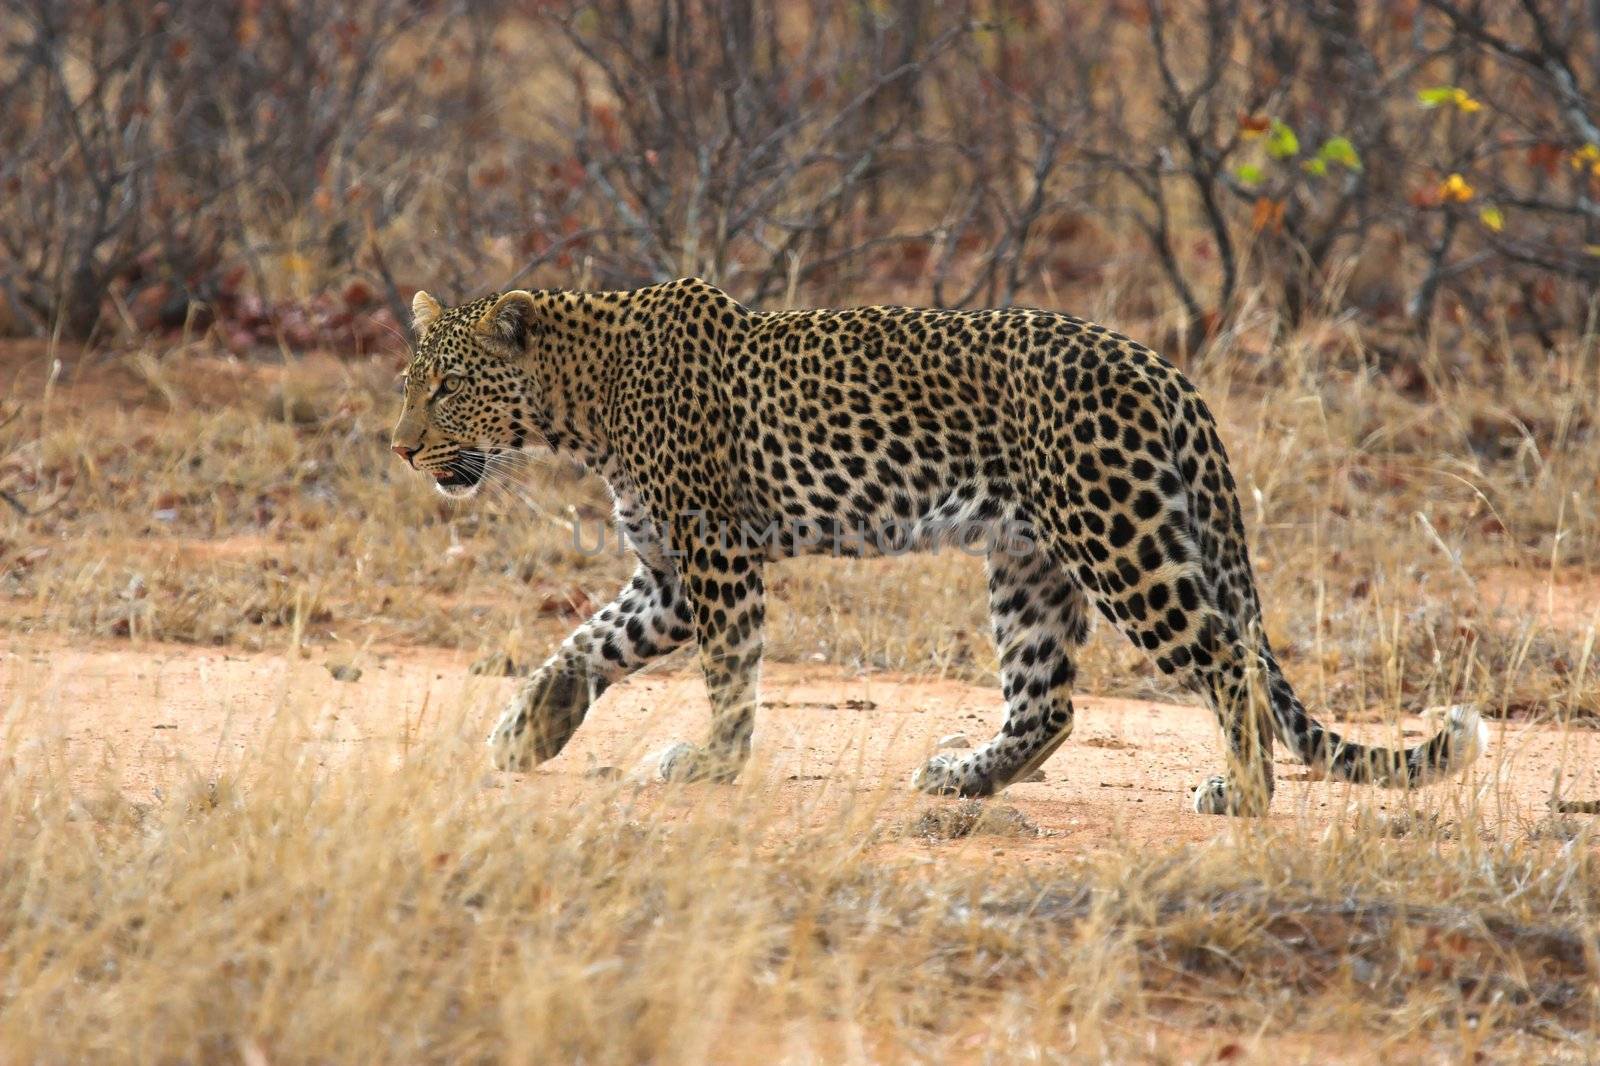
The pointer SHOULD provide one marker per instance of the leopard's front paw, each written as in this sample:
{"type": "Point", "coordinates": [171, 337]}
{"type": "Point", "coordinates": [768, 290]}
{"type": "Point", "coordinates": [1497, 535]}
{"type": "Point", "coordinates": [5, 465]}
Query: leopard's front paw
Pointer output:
{"type": "Point", "coordinates": [540, 719]}
{"type": "Point", "coordinates": [684, 763]}
{"type": "Point", "coordinates": [510, 745]}
{"type": "Point", "coordinates": [949, 775]}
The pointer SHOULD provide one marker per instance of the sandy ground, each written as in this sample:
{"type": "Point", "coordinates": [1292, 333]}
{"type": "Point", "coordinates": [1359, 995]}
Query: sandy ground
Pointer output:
{"type": "Point", "coordinates": [158, 716]}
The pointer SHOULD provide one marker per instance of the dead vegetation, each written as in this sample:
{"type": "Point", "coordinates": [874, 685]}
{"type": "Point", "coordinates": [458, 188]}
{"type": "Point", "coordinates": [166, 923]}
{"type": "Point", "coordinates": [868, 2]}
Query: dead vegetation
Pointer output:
{"type": "Point", "coordinates": [289, 172]}
{"type": "Point", "coordinates": [402, 911]}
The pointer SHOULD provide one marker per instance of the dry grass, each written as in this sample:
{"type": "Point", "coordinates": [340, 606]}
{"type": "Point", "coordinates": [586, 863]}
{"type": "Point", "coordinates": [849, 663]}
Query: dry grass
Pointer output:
{"type": "Point", "coordinates": [398, 910]}
{"type": "Point", "coordinates": [1412, 549]}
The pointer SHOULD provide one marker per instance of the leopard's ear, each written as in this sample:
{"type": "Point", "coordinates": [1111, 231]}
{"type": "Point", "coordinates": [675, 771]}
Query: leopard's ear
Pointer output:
{"type": "Point", "coordinates": [425, 311]}
{"type": "Point", "coordinates": [512, 320]}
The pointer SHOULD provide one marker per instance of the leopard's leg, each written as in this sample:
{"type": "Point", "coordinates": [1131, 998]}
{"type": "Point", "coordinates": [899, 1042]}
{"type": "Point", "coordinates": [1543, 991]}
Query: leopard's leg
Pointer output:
{"type": "Point", "coordinates": [1240, 690]}
{"type": "Point", "coordinates": [1141, 565]}
{"type": "Point", "coordinates": [649, 618]}
{"type": "Point", "coordinates": [727, 600]}
{"type": "Point", "coordinates": [1039, 614]}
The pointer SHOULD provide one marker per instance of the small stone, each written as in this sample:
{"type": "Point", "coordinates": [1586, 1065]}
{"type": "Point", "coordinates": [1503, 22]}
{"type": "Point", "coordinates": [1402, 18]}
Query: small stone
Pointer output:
{"type": "Point", "coordinates": [1363, 972]}
{"type": "Point", "coordinates": [1034, 778]}
{"type": "Point", "coordinates": [344, 672]}
{"type": "Point", "coordinates": [603, 773]}
{"type": "Point", "coordinates": [955, 740]}
{"type": "Point", "coordinates": [969, 818]}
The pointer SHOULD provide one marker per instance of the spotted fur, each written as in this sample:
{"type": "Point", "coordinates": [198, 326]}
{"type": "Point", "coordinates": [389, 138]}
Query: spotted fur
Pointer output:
{"type": "Point", "coordinates": [705, 417]}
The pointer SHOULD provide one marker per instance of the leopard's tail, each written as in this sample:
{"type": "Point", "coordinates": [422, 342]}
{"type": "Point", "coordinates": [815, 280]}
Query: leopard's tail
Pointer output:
{"type": "Point", "coordinates": [1447, 752]}
{"type": "Point", "coordinates": [1218, 528]}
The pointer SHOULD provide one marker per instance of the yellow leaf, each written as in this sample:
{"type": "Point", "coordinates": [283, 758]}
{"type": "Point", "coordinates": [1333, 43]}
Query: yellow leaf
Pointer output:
{"type": "Point", "coordinates": [1455, 189]}
{"type": "Point", "coordinates": [1591, 249]}
{"type": "Point", "coordinates": [1492, 218]}
{"type": "Point", "coordinates": [1448, 94]}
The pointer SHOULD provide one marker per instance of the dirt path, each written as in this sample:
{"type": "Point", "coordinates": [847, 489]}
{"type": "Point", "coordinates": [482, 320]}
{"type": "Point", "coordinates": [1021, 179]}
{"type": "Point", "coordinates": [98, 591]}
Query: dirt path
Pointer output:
{"type": "Point", "coordinates": [157, 716]}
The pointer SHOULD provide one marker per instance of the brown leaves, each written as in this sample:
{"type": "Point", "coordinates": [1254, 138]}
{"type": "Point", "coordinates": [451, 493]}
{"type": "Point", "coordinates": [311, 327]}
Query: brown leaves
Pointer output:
{"type": "Point", "coordinates": [1546, 157]}
{"type": "Point", "coordinates": [1267, 215]}
{"type": "Point", "coordinates": [348, 321]}
{"type": "Point", "coordinates": [1254, 125]}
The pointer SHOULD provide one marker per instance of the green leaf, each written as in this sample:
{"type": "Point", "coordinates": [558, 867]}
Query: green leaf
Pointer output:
{"type": "Point", "coordinates": [1248, 173]}
{"type": "Point", "coordinates": [1440, 95]}
{"type": "Point", "coordinates": [1315, 167]}
{"type": "Point", "coordinates": [1492, 218]}
{"type": "Point", "coordinates": [1339, 150]}
{"type": "Point", "coordinates": [1281, 141]}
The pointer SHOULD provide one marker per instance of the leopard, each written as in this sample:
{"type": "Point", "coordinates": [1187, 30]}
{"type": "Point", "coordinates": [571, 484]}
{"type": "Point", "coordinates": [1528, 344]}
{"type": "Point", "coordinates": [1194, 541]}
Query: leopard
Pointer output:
{"type": "Point", "coordinates": [1086, 469]}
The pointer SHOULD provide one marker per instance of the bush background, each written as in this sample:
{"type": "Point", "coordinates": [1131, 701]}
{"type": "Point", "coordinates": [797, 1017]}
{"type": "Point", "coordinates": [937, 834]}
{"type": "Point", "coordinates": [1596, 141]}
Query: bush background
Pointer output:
{"type": "Point", "coordinates": [283, 169]}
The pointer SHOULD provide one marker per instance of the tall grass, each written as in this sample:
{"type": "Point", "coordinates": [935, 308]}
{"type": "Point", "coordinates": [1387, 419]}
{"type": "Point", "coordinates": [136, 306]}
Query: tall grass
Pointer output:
{"type": "Point", "coordinates": [1412, 545]}
{"type": "Point", "coordinates": [394, 908]}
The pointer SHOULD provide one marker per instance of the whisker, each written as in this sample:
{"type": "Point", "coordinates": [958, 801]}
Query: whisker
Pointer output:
{"type": "Point", "coordinates": [518, 493]}
{"type": "Point", "coordinates": [401, 337]}
{"type": "Point", "coordinates": [506, 457]}
{"type": "Point", "coordinates": [518, 459]}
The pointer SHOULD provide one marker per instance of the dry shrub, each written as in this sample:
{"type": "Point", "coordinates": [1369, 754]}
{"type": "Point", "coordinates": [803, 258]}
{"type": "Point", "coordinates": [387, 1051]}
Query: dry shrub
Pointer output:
{"type": "Point", "coordinates": [293, 168]}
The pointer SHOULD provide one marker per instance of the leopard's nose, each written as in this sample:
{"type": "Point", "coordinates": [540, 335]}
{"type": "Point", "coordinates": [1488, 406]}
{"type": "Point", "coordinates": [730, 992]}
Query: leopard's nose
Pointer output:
{"type": "Point", "coordinates": [403, 452]}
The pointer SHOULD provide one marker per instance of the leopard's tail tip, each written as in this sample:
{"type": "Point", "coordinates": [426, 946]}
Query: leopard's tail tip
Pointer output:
{"type": "Point", "coordinates": [1469, 738]}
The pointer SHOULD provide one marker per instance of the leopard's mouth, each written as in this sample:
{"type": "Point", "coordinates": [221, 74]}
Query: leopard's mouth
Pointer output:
{"type": "Point", "coordinates": [461, 476]}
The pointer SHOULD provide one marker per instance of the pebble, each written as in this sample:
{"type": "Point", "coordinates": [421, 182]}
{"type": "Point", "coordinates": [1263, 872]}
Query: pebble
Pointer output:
{"type": "Point", "coordinates": [344, 672]}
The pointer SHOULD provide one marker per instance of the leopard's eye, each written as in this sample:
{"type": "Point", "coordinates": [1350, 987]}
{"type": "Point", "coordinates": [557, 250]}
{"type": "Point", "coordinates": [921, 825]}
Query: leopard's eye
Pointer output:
{"type": "Point", "coordinates": [450, 383]}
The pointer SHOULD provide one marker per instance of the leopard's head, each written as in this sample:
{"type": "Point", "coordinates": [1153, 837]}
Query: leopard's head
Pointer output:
{"type": "Point", "coordinates": [474, 388]}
